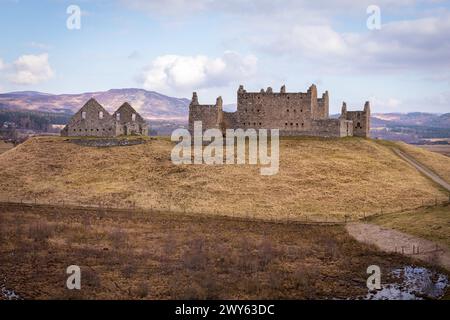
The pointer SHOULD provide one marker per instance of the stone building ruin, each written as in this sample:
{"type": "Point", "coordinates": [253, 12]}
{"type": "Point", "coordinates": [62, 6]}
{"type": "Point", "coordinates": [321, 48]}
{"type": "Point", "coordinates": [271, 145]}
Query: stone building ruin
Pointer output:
{"type": "Point", "coordinates": [93, 120]}
{"type": "Point", "coordinates": [294, 114]}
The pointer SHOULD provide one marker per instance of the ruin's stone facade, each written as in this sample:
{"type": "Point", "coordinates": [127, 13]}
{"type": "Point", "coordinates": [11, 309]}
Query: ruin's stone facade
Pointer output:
{"type": "Point", "coordinates": [294, 114]}
{"type": "Point", "coordinates": [93, 120]}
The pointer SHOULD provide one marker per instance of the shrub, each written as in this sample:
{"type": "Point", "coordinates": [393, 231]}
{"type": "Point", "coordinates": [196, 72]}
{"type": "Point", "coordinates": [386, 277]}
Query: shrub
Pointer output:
{"type": "Point", "coordinates": [142, 290]}
{"type": "Point", "coordinates": [90, 277]}
{"type": "Point", "coordinates": [40, 231]}
{"type": "Point", "coordinates": [129, 270]}
{"type": "Point", "coordinates": [118, 239]}
{"type": "Point", "coordinates": [195, 258]}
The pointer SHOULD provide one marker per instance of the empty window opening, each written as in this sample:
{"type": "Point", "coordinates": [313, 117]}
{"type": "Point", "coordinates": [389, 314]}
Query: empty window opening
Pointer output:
{"type": "Point", "coordinates": [118, 116]}
{"type": "Point", "coordinates": [133, 117]}
{"type": "Point", "coordinates": [83, 114]}
{"type": "Point", "coordinates": [100, 115]}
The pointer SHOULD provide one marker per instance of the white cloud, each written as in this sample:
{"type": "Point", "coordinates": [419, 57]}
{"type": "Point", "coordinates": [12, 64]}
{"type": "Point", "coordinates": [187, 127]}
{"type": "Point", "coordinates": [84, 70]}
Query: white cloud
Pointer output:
{"type": "Point", "coordinates": [387, 105]}
{"type": "Point", "coordinates": [32, 69]}
{"type": "Point", "coordinates": [420, 44]}
{"type": "Point", "coordinates": [184, 73]}
{"type": "Point", "coordinates": [309, 31]}
{"type": "Point", "coordinates": [297, 8]}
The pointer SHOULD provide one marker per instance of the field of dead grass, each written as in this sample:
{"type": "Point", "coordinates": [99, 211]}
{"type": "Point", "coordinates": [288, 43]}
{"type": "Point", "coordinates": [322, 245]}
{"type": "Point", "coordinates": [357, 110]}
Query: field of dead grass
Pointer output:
{"type": "Point", "coordinates": [442, 149]}
{"type": "Point", "coordinates": [5, 146]}
{"type": "Point", "coordinates": [431, 223]}
{"type": "Point", "coordinates": [325, 177]}
{"type": "Point", "coordinates": [162, 256]}
{"type": "Point", "coordinates": [439, 163]}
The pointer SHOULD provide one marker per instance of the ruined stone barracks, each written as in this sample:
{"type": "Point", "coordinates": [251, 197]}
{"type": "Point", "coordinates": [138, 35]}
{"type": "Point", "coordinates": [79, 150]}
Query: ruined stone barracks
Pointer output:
{"type": "Point", "coordinates": [93, 120]}
{"type": "Point", "coordinates": [293, 113]}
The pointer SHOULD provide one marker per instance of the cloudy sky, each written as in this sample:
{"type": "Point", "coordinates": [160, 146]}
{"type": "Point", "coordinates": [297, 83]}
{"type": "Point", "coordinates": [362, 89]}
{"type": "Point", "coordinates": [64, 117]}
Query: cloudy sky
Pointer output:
{"type": "Point", "coordinates": [211, 46]}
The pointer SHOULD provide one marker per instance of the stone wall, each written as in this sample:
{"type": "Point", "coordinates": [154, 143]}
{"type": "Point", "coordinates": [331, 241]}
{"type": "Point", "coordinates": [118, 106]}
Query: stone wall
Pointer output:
{"type": "Point", "coordinates": [131, 122]}
{"type": "Point", "coordinates": [289, 112]}
{"type": "Point", "coordinates": [323, 106]}
{"type": "Point", "coordinates": [205, 113]}
{"type": "Point", "coordinates": [330, 128]}
{"type": "Point", "coordinates": [294, 114]}
{"type": "Point", "coordinates": [91, 120]}
{"type": "Point", "coordinates": [102, 143]}
{"type": "Point", "coordinates": [230, 119]}
{"type": "Point", "coordinates": [360, 119]}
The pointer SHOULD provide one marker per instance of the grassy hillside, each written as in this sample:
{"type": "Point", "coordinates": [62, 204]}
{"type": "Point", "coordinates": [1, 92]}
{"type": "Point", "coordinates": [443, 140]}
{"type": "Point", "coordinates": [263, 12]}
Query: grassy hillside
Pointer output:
{"type": "Point", "coordinates": [429, 223]}
{"type": "Point", "coordinates": [5, 146]}
{"type": "Point", "coordinates": [437, 162]}
{"type": "Point", "coordinates": [332, 177]}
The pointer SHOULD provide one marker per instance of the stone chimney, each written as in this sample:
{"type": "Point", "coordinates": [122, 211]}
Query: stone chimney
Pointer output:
{"type": "Point", "coordinates": [344, 111]}
{"type": "Point", "coordinates": [367, 107]}
{"type": "Point", "coordinates": [220, 124]}
{"type": "Point", "coordinates": [194, 100]}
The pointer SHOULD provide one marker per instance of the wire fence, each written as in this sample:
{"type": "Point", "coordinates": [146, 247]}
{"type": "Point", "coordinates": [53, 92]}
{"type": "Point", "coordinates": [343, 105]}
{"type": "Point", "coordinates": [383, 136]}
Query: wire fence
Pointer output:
{"type": "Point", "coordinates": [260, 215]}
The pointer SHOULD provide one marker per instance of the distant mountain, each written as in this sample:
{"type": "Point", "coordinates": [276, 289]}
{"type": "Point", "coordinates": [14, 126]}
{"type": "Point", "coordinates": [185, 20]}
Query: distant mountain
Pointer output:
{"type": "Point", "coordinates": [412, 119]}
{"type": "Point", "coordinates": [414, 127]}
{"type": "Point", "coordinates": [151, 105]}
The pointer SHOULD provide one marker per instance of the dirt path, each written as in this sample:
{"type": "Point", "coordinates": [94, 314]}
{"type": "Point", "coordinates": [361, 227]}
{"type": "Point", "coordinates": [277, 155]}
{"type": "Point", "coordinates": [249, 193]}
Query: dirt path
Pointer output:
{"type": "Point", "coordinates": [423, 169]}
{"type": "Point", "coordinates": [395, 241]}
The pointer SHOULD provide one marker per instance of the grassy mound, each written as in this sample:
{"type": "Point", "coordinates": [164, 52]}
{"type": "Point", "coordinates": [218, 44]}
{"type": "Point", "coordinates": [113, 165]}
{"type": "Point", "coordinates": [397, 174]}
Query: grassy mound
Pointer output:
{"type": "Point", "coordinates": [333, 177]}
{"type": "Point", "coordinates": [439, 163]}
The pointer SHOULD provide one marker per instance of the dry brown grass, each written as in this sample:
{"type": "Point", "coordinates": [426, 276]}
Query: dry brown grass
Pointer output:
{"type": "Point", "coordinates": [430, 223]}
{"type": "Point", "coordinates": [333, 177]}
{"type": "Point", "coordinates": [208, 258]}
{"type": "Point", "coordinates": [442, 149]}
{"type": "Point", "coordinates": [439, 163]}
{"type": "Point", "coordinates": [5, 146]}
